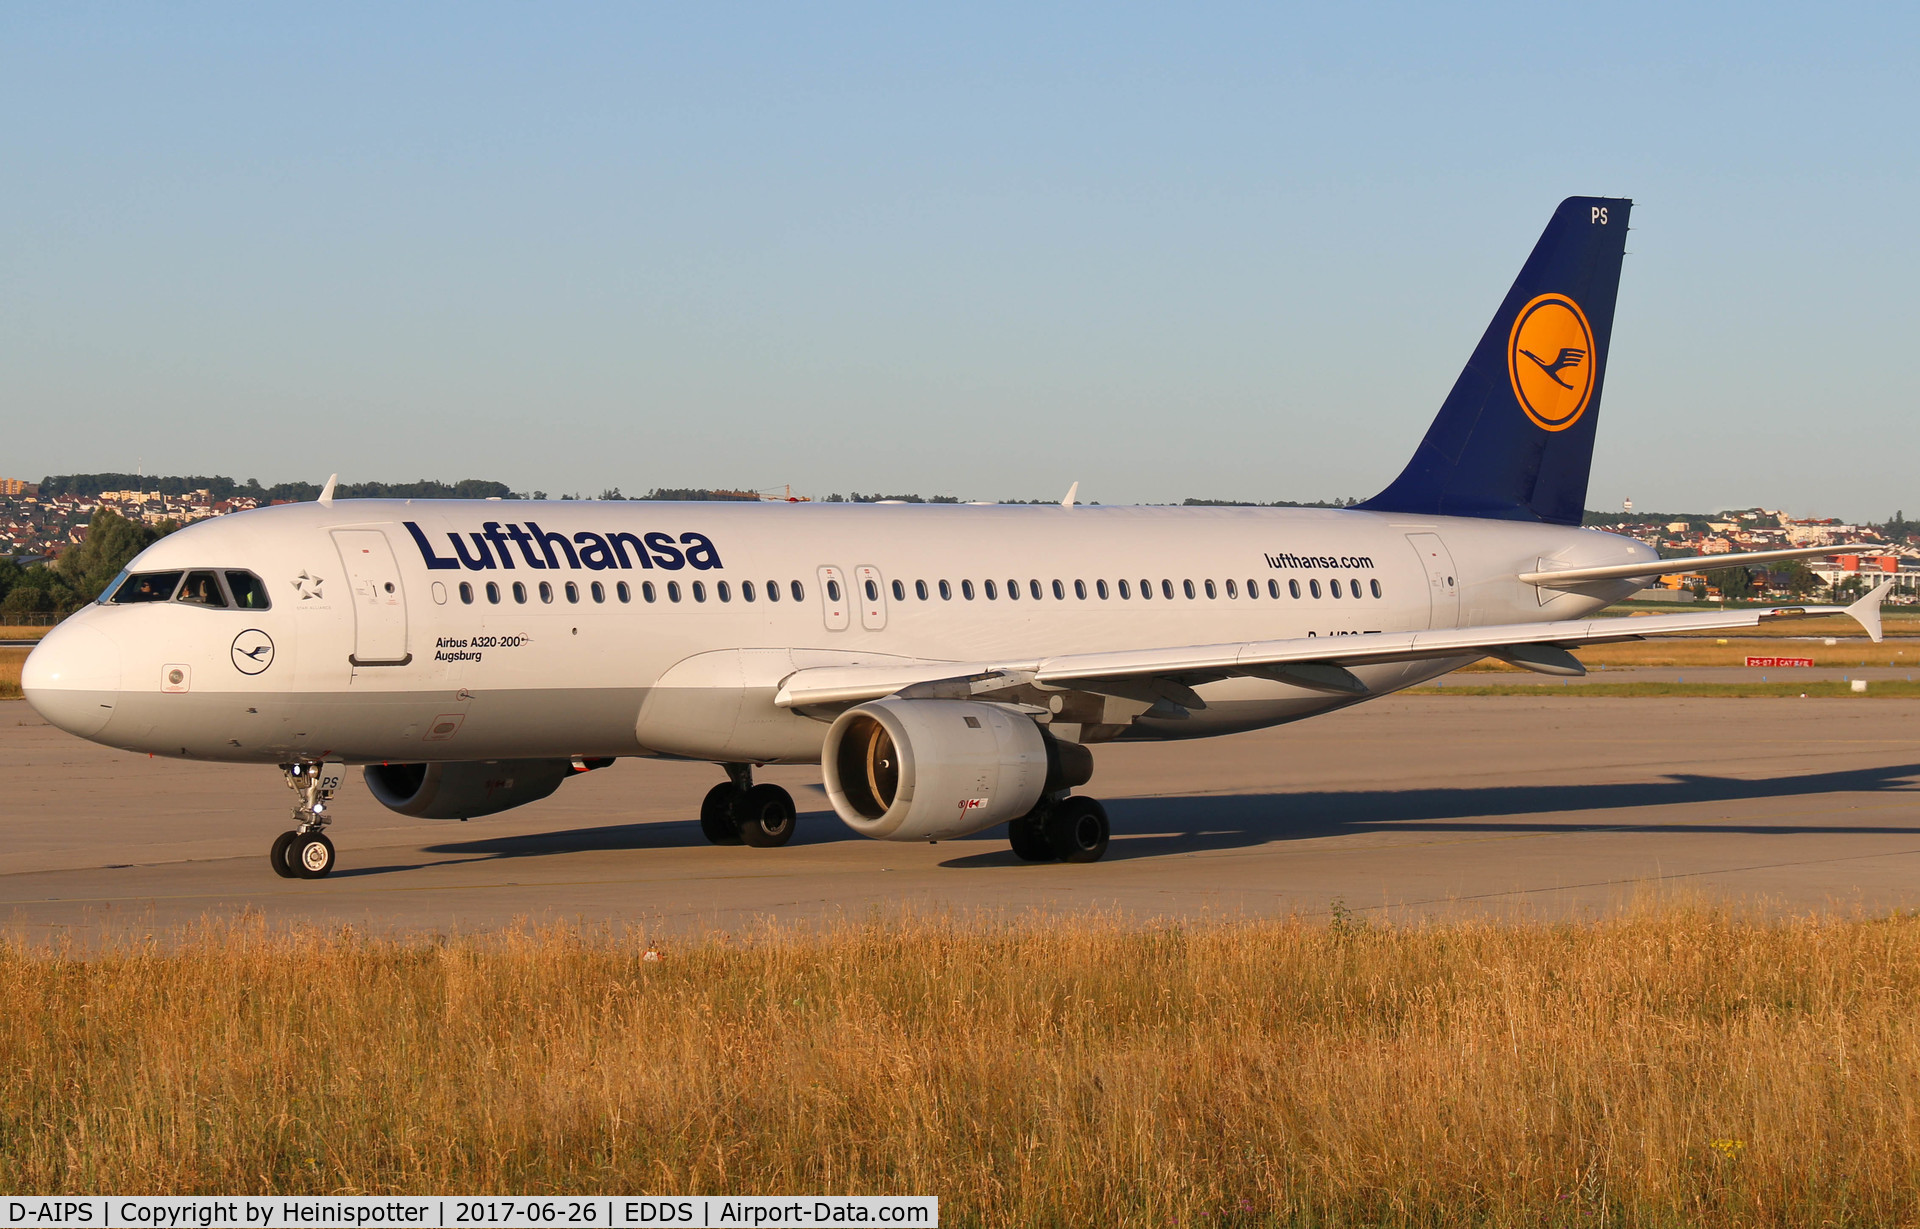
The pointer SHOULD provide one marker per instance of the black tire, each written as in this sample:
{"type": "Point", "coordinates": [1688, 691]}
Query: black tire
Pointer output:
{"type": "Point", "coordinates": [766, 817]}
{"type": "Point", "coordinates": [311, 856]}
{"type": "Point", "coordinates": [717, 821]}
{"type": "Point", "coordinates": [1029, 841]}
{"type": "Point", "coordinates": [279, 856]}
{"type": "Point", "coordinates": [1077, 829]}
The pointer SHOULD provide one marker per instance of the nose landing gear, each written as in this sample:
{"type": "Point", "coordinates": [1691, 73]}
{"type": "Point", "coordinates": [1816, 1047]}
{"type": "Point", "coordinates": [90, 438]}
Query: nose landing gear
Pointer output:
{"type": "Point", "coordinates": [305, 852]}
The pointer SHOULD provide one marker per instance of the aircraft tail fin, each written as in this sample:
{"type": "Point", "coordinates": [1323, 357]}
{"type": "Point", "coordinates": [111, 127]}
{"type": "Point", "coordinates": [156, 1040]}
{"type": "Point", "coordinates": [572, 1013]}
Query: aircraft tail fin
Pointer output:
{"type": "Point", "coordinates": [1514, 439]}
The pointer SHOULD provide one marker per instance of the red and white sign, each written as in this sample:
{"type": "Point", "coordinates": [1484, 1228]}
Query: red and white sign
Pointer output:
{"type": "Point", "coordinates": [1780, 663]}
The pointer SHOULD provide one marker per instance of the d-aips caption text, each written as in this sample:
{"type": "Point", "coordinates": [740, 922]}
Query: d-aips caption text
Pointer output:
{"type": "Point", "coordinates": [458, 1212]}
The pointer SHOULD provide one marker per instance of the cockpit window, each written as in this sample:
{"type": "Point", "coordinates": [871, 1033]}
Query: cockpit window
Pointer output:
{"type": "Point", "coordinates": [146, 587]}
{"type": "Point", "coordinates": [249, 591]}
{"type": "Point", "coordinates": [201, 589]}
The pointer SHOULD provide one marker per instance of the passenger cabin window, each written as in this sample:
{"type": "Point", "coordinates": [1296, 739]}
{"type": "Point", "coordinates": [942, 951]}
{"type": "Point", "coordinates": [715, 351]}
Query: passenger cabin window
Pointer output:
{"type": "Point", "coordinates": [573, 592]}
{"type": "Point", "coordinates": [946, 591]}
{"type": "Point", "coordinates": [1233, 590]}
{"type": "Point", "coordinates": [746, 590]}
{"type": "Point", "coordinates": [833, 591]}
{"type": "Point", "coordinates": [699, 590]}
{"type": "Point", "coordinates": [1212, 593]}
{"type": "Point", "coordinates": [799, 593]}
{"type": "Point", "coordinates": [1124, 594]}
{"type": "Point", "coordinates": [546, 591]}
{"type": "Point", "coordinates": [146, 587]}
{"type": "Point", "coordinates": [673, 591]}
{"type": "Point", "coordinates": [493, 592]}
{"type": "Point", "coordinates": [900, 591]}
{"type": "Point", "coordinates": [1273, 589]}
{"type": "Point", "coordinates": [1013, 590]}
{"type": "Point", "coordinates": [1100, 587]}
{"type": "Point", "coordinates": [1293, 586]}
{"type": "Point", "coordinates": [993, 594]}
{"type": "Point", "coordinates": [1166, 589]}
{"type": "Point", "coordinates": [723, 590]}
{"type": "Point", "coordinates": [598, 590]}
{"type": "Point", "coordinates": [250, 592]}
{"type": "Point", "coordinates": [920, 589]}
{"type": "Point", "coordinates": [625, 594]}
{"type": "Point", "coordinates": [1313, 586]}
{"type": "Point", "coordinates": [466, 593]}
{"type": "Point", "coordinates": [966, 589]}
{"type": "Point", "coordinates": [1033, 587]}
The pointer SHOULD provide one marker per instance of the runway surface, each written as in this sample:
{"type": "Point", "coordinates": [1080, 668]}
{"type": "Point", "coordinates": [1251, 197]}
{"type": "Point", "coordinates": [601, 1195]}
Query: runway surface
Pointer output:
{"type": "Point", "coordinates": [1419, 806]}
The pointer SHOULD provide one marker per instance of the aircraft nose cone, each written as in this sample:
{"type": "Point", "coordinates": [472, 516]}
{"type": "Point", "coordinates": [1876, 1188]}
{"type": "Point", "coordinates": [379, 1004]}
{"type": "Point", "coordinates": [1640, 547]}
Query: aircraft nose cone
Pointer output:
{"type": "Point", "coordinates": [72, 678]}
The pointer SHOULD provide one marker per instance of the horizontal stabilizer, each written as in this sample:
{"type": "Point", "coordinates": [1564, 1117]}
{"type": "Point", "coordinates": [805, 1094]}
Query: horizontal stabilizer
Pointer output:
{"type": "Point", "coordinates": [1690, 563]}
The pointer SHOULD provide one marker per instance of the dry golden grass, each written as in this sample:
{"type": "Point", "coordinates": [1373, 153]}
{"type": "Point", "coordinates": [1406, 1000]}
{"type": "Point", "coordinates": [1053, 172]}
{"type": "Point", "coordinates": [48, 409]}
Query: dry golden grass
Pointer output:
{"type": "Point", "coordinates": [1679, 1066]}
{"type": "Point", "coordinates": [22, 633]}
{"type": "Point", "coordinates": [11, 660]}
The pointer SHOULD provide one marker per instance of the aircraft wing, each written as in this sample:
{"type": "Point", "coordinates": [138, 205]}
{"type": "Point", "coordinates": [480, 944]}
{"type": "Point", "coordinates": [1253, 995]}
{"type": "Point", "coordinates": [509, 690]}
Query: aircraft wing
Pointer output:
{"type": "Point", "coordinates": [1317, 662]}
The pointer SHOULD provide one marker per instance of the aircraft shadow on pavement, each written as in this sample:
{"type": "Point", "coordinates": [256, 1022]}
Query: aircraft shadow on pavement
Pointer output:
{"type": "Point", "coordinates": [1188, 824]}
{"type": "Point", "coordinates": [1168, 826]}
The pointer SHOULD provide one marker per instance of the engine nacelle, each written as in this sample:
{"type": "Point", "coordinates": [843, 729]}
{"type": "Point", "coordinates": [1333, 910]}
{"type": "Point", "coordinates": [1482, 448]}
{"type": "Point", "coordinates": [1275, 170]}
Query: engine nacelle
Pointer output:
{"type": "Point", "coordinates": [926, 770]}
{"type": "Point", "coordinates": [466, 790]}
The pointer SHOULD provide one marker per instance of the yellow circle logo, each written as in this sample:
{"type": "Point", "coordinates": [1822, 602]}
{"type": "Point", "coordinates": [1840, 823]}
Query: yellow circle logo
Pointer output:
{"type": "Point", "coordinates": [1550, 361]}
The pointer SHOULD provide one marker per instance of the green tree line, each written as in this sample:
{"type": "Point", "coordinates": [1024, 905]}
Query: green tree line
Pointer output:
{"type": "Point", "coordinates": [81, 574]}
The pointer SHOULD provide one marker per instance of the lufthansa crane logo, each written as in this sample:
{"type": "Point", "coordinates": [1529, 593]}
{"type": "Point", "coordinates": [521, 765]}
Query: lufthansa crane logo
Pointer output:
{"type": "Point", "coordinates": [1550, 361]}
{"type": "Point", "coordinates": [252, 651]}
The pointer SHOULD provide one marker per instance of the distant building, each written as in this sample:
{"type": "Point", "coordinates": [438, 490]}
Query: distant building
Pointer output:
{"type": "Point", "coordinates": [19, 487]}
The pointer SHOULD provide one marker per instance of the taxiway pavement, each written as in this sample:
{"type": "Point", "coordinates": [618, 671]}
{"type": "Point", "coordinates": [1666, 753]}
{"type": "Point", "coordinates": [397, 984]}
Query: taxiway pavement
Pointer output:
{"type": "Point", "coordinates": [1416, 805]}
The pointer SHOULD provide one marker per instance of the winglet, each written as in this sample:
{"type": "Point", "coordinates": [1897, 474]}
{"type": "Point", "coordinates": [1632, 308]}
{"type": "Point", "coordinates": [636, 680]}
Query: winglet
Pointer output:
{"type": "Point", "coordinates": [1071, 492]}
{"type": "Point", "coordinates": [326, 492]}
{"type": "Point", "coordinates": [1866, 611]}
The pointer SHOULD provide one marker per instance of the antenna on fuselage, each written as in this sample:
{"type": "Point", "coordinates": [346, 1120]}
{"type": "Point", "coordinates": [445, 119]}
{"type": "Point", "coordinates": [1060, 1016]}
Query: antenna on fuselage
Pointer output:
{"type": "Point", "coordinates": [326, 492]}
{"type": "Point", "coordinates": [1071, 492]}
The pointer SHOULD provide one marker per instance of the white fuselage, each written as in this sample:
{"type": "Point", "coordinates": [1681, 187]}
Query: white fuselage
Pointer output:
{"type": "Point", "coordinates": [361, 672]}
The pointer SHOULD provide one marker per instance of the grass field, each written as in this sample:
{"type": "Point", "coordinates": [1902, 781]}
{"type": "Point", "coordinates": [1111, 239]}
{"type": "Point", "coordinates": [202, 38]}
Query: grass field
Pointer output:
{"type": "Point", "coordinates": [22, 633]}
{"type": "Point", "coordinates": [1678, 1066]}
{"type": "Point", "coordinates": [10, 662]}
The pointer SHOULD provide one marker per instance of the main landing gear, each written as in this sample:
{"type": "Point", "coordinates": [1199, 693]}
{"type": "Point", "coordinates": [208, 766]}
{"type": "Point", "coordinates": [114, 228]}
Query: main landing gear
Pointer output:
{"type": "Point", "coordinates": [1069, 829]}
{"type": "Point", "coordinates": [305, 852]}
{"type": "Point", "coordinates": [738, 812]}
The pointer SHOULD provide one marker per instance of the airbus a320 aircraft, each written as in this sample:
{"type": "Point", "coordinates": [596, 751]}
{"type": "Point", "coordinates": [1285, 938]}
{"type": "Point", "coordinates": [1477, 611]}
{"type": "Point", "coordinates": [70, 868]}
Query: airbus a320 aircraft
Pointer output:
{"type": "Point", "coordinates": [947, 666]}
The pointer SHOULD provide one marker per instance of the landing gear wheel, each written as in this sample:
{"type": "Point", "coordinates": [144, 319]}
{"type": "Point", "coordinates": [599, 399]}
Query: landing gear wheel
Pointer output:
{"type": "Point", "coordinates": [311, 855]}
{"type": "Point", "coordinates": [282, 863]}
{"type": "Point", "coordinates": [766, 816]}
{"type": "Point", "coordinates": [1029, 841]}
{"type": "Point", "coordinates": [717, 821]}
{"type": "Point", "coordinates": [1077, 829]}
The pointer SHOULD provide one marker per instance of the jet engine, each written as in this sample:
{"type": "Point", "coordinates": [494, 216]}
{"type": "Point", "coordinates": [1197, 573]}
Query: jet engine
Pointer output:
{"type": "Point", "coordinates": [924, 770]}
{"type": "Point", "coordinates": [466, 790]}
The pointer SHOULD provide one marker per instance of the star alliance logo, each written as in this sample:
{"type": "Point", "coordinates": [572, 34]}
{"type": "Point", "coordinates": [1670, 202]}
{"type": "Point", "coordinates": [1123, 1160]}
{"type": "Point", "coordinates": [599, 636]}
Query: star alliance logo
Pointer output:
{"type": "Point", "coordinates": [307, 585]}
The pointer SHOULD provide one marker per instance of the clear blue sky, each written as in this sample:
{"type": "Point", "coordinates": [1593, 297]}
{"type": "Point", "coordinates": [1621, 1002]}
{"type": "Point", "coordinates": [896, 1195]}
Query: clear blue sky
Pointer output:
{"type": "Point", "coordinates": [1233, 252]}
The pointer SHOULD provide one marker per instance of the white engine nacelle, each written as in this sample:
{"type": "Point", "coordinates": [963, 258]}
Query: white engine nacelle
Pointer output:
{"type": "Point", "coordinates": [926, 770]}
{"type": "Point", "coordinates": [468, 790]}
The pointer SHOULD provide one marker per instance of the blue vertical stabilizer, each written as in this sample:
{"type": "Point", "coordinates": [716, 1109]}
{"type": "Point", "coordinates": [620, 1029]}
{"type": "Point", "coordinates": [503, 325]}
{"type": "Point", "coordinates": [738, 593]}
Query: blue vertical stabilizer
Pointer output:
{"type": "Point", "coordinates": [1514, 439]}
